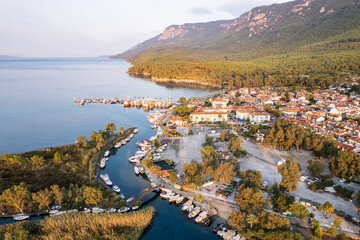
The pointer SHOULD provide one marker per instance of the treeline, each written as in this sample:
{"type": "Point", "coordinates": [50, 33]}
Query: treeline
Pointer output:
{"type": "Point", "coordinates": [82, 226]}
{"type": "Point", "coordinates": [286, 135]}
{"type": "Point", "coordinates": [18, 198]}
{"type": "Point", "coordinates": [71, 168]}
{"type": "Point", "coordinates": [286, 70]}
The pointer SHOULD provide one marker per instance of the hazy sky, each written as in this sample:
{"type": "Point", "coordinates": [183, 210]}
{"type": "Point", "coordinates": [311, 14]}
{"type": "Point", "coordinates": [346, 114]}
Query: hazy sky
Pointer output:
{"type": "Point", "coordinates": [82, 28]}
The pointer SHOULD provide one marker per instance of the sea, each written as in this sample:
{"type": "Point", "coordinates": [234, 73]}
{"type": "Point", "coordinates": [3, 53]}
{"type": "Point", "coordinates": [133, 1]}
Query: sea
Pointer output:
{"type": "Point", "coordinates": [37, 110]}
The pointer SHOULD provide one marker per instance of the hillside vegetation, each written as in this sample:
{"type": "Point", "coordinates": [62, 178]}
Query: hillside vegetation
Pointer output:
{"type": "Point", "coordinates": [304, 42]}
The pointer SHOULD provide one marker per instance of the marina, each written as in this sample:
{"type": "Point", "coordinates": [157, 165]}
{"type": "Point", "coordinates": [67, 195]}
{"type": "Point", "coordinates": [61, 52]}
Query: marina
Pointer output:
{"type": "Point", "coordinates": [138, 102]}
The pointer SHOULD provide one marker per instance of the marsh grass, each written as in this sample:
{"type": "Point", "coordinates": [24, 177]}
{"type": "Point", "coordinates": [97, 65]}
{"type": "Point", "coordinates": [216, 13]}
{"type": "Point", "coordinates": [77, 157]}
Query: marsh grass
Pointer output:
{"type": "Point", "coordinates": [82, 225]}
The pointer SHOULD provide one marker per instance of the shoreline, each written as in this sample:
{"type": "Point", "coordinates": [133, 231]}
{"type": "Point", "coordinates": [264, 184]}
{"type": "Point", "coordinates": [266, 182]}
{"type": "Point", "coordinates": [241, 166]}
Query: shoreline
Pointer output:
{"type": "Point", "coordinates": [189, 81]}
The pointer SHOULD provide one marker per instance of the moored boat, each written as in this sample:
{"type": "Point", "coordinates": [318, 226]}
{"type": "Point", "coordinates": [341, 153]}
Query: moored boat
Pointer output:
{"type": "Point", "coordinates": [186, 205]}
{"type": "Point", "coordinates": [173, 198]}
{"type": "Point", "coordinates": [194, 212]}
{"type": "Point", "coordinates": [201, 217]}
{"type": "Point", "coordinates": [116, 189]}
{"type": "Point", "coordinates": [107, 153]}
{"type": "Point", "coordinates": [180, 199]}
{"type": "Point", "coordinates": [208, 221]}
{"type": "Point", "coordinates": [136, 170]}
{"type": "Point", "coordinates": [21, 217]}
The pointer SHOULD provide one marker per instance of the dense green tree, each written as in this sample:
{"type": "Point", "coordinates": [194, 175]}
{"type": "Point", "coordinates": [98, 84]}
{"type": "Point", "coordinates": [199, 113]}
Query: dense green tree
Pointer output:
{"type": "Point", "coordinates": [251, 178]}
{"type": "Point", "coordinates": [111, 127]}
{"type": "Point", "coordinates": [92, 196]}
{"type": "Point", "coordinates": [250, 200]}
{"type": "Point", "coordinates": [315, 167]}
{"type": "Point", "coordinates": [299, 211]}
{"type": "Point", "coordinates": [17, 196]}
{"type": "Point", "coordinates": [224, 173]}
{"type": "Point", "coordinates": [290, 173]}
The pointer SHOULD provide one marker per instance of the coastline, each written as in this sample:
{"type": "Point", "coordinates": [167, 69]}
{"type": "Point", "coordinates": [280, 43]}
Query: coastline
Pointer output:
{"type": "Point", "coordinates": [189, 81]}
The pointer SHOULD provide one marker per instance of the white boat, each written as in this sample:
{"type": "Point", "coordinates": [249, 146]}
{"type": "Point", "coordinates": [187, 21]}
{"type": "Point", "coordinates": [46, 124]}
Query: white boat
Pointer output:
{"type": "Point", "coordinates": [111, 210]}
{"type": "Point", "coordinates": [229, 234]}
{"type": "Point", "coordinates": [136, 170]}
{"type": "Point", "coordinates": [186, 205]}
{"type": "Point", "coordinates": [20, 217]}
{"type": "Point", "coordinates": [122, 196]}
{"type": "Point", "coordinates": [180, 199]}
{"type": "Point", "coordinates": [190, 208]}
{"type": "Point", "coordinates": [123, 142]}
{"type": "Point", "coordinates": [108, 182]}
{"type": "Point", "coordinates": [116, 189]}
{"type": "Point", "coordinates": [102, 163]}
{"type": "Point", "coordinates": [118, 145]}
{"type": "Point", "coordinates": [53, 212]}
{"type": "Point", "coordinates": [134, 208]}
{"type": "Point", "coordinates": [122, 210]}
{"type": "Point", "coordinates": [173, 198]}
{"type": "Point", "coordinates": [194, 212]}
{"type": "Point", "coordinates": [59, 213]}
{"type": "Point", "coordinates": [87, 210]}
{"type": "Point", "coordinates": [133, 159]}
{"type": "Point", "coordinates": [136, 130]}
{"type": "Point", "coordinates": [107, 153]}
{"type": "Point", "coordinates": [201, 217]}
{"type": "Point", "coordinates": [130, 199]}
{"type": "Point", "coordinates": [131, 135]}
{"type": "Point", "coordinates": [97, 210]}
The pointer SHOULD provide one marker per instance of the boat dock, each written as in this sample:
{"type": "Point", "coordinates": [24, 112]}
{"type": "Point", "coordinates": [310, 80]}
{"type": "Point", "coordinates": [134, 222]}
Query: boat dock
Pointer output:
{"type": "Point", "coordinates": [138, 102]}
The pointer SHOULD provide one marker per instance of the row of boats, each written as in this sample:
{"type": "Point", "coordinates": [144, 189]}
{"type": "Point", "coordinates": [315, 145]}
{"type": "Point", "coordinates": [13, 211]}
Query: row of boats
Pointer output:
{"type": "Point", "coordinates": [147, 103]}
{"type": "Point", "coordinates": [227, 234]}
{"type": "Point", "coordinates": [105, 177]}
{"type": "Point", "coordinates": [194, 211]}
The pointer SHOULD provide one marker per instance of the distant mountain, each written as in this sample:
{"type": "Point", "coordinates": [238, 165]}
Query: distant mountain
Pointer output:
{"type": "Point", "coordinates": [301, 29]}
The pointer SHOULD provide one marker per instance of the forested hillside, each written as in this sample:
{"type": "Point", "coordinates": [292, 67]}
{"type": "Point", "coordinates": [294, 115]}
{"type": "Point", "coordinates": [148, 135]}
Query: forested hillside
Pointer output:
{"type": "Point", "coordinates": [303, 42]}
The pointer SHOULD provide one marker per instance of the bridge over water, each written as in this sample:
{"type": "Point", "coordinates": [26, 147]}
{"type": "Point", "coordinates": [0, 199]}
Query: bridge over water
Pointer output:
{"type": "Point", "coordinates": [143, 193]}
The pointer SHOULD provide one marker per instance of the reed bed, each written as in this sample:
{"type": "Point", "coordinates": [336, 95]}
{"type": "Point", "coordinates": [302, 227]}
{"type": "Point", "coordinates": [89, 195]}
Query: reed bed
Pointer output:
{"type": "Point", "coordinates": [97, 226]}
{"type": "Point", "coordinates": [82, 225]}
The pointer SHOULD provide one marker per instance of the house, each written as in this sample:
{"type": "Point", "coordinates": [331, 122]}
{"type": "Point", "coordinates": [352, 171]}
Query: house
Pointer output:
{"type": "Point", "coordinates": [178, 121]}
{"type": "Point", "coordinates": [220, 102]}
{"type": "Point", "coordinates": [212, 117]}
{"type": "Point", "coordinates": [259, 116]}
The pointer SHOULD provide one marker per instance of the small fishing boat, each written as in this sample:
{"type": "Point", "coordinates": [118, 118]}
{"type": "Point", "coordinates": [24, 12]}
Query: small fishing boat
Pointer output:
{"type": "Point", "coordinates": [136, 170]}
{"type": "Point", "coordinates": [180, 199]}
{"type": "Point", "coordinates": [21, 217]}
{"type": "Point", "coordinates": [135, 208]}
{"type": "Point", "coordinates": [122, 210]}
{"type": "Point", "coordinates": [130, 199]}
{"type": "Point", "coordinates": [116, 189]}
{"type": "Point", "coordinates": [97, 210]}
{"type": "Point", "coordinates": [136, 130]}
{"type": "Point", "coordinates": [118, 145]}
{"type": "Point", "coordinates": [173, 198]}
{"type": "Point", "coordinates": [187, 205]}
{"type": "Point", "coordinates": [201, 217]}
{"type": "Point", "coordinates": [141, 169]}
{"type": "Point", "coordinates": [111, 210]}
{"type": "Point", "coordinates": [194, 212]}
{"type": "Point", "coordinates": [208, 221]}
{"type": "Point", "coordinates": [122, 196]}
{"type": "Point", "coordinates": [107, 153]}
{"type": "Point", "coordinates": [190, 208]}
{"type": "Point", "coordinates": [102, 163]}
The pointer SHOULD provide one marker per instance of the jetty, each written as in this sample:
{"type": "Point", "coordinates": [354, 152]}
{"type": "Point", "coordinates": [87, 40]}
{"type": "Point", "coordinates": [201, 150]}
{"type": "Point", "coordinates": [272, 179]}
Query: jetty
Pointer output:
{"type": "Point", "coordinates": [137, 102]}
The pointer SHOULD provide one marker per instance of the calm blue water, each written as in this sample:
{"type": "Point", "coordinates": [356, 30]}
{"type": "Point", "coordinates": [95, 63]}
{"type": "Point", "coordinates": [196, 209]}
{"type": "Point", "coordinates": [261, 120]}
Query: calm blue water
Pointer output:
{"type": "Point", "coordinates": [37, 111]}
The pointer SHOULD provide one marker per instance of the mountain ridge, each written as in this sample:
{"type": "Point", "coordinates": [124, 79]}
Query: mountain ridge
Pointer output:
{"type": "Point", "coordinates": [307, 31]}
